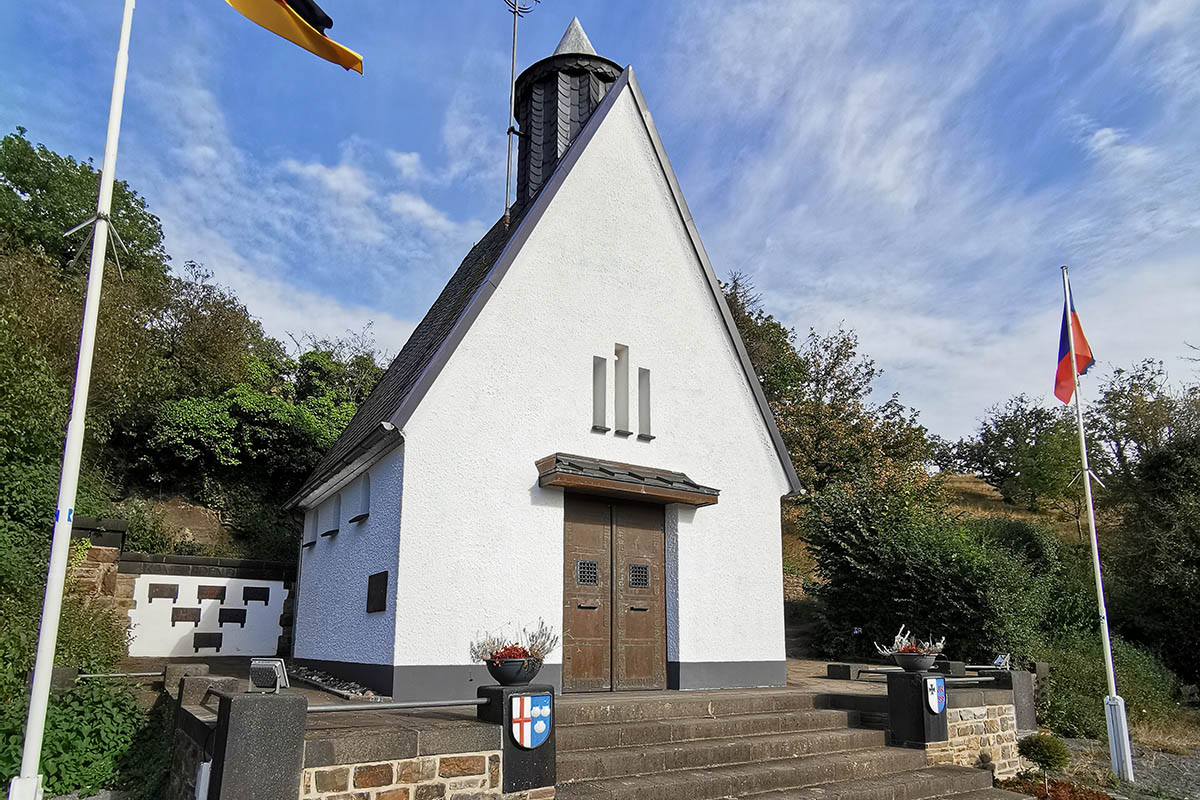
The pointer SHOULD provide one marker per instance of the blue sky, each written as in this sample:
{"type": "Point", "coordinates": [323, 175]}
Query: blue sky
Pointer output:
{"type": "Point", "coordinates": [917, 171]}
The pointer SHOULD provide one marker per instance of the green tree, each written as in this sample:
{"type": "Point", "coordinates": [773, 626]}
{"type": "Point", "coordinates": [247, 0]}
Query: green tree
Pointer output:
{"type": "Point", "coordinates": [1138, 412]}
{"type": "Point", "coordinates": [1158, 555]}
{"type": "Point", "coordinates": [770, 345]}
{"type": "Point", "coordinates": [44, 194]}
{"type": "Point", "coordinates": [1029, 453]}
{"type": "Point", "coordinates": [819, 391]}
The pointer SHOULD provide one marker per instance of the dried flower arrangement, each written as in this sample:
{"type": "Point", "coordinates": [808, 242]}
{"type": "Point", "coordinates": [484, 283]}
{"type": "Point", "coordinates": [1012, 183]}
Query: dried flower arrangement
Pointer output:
{"type": "Point", "coordinates": [907, 642]}
{"type": "Point", "coordinates": [535, 644]}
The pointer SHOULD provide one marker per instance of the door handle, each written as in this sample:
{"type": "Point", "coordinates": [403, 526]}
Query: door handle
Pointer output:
{"type": "Point", "coordinates": [588, 607]}
{"type": "Point", "coordinates": [638, 608]}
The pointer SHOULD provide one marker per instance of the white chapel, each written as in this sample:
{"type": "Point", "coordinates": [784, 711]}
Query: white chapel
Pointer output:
{"type": "Point", "coordinates": [573, 433]}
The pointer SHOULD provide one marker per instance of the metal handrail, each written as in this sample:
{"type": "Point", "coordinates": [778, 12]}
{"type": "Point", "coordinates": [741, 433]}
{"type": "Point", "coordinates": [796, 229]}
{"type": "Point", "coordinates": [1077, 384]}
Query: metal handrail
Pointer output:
{"type": "Point", "coordinates": [412, 704]}
{"type": "Point", "coordinates": [81, 676]}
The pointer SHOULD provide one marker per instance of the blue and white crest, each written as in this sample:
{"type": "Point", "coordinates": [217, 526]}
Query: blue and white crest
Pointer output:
{"type": "Point", "coordinates": [530, 719]}
{"type": "Point", "coordinates": [935, 694]}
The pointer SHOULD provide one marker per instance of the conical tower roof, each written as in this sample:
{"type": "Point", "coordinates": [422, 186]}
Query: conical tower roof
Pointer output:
{"type": "Point", "coordinates": [574, 40]}
{"type": "Point", "coordinates": [554, 98]}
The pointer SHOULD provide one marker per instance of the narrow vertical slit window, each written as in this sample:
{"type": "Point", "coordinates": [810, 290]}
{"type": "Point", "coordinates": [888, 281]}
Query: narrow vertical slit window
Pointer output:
{"type": "Point", "coordinates": [621, 391]}
{"type": "Point", "coordinates": [332, 513]}
{"type": "Point", "coordinates": [599, 394]}
{"type": "Point", "coordinates": [644, 404]}
{"type": "Point", "coordinates": [362, 507]}
{"type": "Point", "coordinates": [310, 527]}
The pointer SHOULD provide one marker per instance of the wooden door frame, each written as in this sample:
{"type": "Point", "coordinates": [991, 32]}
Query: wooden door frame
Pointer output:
{"type": "Point", "coordinates": [612, 589]}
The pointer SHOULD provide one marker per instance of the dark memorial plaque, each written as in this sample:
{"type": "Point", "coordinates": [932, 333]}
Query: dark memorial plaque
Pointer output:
{"type": "Point", "coordinates": [377, 587]}
{"type": "Point", "coordinates": [191, 615]}
{"type": "Point", "coordinates": [163, 591]}
{"type": "Point", "coordinates": [232, 616]}
{"type": "Point", "coordinates": [254, 593]}
{"type": "Point", "coordinates": [206, 640]}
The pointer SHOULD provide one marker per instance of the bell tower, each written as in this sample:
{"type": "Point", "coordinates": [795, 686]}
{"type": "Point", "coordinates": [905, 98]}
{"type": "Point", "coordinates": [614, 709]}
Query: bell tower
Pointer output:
{"type": "Point", "coordinates": [554, 99]}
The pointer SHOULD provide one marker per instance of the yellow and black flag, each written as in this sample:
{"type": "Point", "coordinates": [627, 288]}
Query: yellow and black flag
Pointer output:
{"type": "Point", "coordinates": [301, 22]}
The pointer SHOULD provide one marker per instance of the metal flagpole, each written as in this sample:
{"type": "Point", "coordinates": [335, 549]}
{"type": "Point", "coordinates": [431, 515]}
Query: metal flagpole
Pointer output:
{"type": "Point", "coordinates": [28, 784]}
{"type": "Point", "coordinates": [1114, 706]}
{"type": "Point", "coordinates": [518, 9]}
{"type": "Point", "coordinates": [512, 88]}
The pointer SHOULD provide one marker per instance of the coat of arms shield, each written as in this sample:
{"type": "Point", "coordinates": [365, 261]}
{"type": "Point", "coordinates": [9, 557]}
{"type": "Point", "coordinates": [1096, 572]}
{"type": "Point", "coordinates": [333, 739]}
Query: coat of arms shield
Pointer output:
{"type": "Point", "coordinates": [530, 719]}
{"type": "Point", "coordinates": [935, 694]}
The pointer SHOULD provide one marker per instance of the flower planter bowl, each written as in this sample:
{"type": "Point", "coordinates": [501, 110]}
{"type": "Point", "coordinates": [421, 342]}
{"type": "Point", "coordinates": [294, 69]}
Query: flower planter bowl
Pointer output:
{"type": "Point", "coordinates": [514, 671]}
{"type": "Point", "coordinates": [914, 662]}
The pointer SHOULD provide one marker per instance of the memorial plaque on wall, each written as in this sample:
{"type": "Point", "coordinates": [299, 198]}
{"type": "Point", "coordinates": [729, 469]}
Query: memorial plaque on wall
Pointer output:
{"type": "Point", "coordinates": [377, 586]}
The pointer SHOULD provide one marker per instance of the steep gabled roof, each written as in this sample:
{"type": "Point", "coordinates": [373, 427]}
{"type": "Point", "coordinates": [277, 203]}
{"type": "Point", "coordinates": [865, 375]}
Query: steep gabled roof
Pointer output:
{"type": "Point", "coordinates": [422, 345]}
{"type": "Point", "coordinates": [443, 327]}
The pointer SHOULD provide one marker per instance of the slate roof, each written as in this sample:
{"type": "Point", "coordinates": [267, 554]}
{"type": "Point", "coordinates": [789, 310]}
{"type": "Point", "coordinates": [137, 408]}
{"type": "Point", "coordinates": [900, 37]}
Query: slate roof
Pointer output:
{"type": "Point", "coordinates": [625, 473]}
{"type": "Point", "coordinates": [419, 350]}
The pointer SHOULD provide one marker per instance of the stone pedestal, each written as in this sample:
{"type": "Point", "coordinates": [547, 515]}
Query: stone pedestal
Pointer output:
{"type": "Point", "coordinates": [523, 768]}
{"type": "Point", "coordinates": [911, 722]}
{"type": "Point", "coordinates": [258, 747]}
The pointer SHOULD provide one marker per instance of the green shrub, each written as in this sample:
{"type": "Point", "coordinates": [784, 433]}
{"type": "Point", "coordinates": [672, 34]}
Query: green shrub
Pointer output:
{"type": "Point", "coordinates": [1047, 751]}
{"type": "Point", "coordinates": [148, 531]}
{"type": "Point", "coordinates": [882, 561]}
{"type": "Point", "coordinates": [1156, 598]}
{"type": "Point", "coordinates": [146, 763]}
{"type": "Point", "coordinates": [1078, 685]}
{"type": "Point", "coordinates": [89, 730]}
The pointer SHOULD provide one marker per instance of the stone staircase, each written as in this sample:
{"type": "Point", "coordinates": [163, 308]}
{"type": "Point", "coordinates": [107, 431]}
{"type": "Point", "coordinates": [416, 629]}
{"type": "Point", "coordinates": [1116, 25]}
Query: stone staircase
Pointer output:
{"type": "Point", "coordinates": [761, 744]}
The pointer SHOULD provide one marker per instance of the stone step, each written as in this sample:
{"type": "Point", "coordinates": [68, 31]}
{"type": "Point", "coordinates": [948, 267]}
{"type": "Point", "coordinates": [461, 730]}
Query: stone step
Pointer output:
{"type": "Point", "coordinates": [920, 784]}
{"type": "Point", "coordinates": [641, 707]}
{"type": "Point", "coordinates": [991, 794]}
{"type": "Point", "coordinates": [737, 780]}
{"type": "Point", "coordinates": [585, 765]}
{"type": "Point", "coordinates": [596, 736]}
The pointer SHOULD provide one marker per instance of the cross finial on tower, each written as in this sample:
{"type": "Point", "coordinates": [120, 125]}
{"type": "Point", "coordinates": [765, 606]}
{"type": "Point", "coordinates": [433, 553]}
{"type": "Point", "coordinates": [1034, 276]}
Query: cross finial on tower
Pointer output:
{"type": "Point", "coordinates": [574, 41]}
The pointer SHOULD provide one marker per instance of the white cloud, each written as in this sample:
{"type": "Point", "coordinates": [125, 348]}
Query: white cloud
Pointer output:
{"type": "Point", "coordinates": [348, 198]}
{"type": "Point", "coordinates": [416, 209]}
{"type": "Point", "coordinates": [309, 246]}
{"type": "Point", "coordinates": [407, 164]}
{"type": "Point", "coordinates": [921, 174]}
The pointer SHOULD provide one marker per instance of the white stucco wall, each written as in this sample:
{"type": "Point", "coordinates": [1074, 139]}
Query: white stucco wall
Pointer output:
{"type": "Point", "coordinates": [609, 262]}
{"type": "Point", "coordinates": [153, 635]}
{"type": "Point", "coordinates": [332, 623]}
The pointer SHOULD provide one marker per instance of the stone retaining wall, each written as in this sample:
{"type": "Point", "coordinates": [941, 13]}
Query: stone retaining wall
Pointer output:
{"type": "Point", "coordinates": [97, 581]}
{"type": "Point", "coordinates": [461, 776]}
{"type": "Point", "coordinates": [980, 736]}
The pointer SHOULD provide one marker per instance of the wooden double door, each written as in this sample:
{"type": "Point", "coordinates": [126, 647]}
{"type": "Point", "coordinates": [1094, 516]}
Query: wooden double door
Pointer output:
{"type": "Point", "coordinates": [614, 597]}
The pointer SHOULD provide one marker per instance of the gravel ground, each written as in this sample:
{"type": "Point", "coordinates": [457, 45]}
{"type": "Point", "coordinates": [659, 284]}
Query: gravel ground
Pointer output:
{"type": "Point", "coordinates": [106, 794]}
{"type": "Point", "coordinates": [324, 680]}
{"type": "Point", "coordinates": [1160, 775]}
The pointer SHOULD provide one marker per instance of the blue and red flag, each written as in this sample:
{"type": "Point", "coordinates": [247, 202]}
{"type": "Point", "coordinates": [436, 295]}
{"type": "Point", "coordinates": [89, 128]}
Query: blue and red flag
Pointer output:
{"type": "Point", "coordinates": [1064, 381]}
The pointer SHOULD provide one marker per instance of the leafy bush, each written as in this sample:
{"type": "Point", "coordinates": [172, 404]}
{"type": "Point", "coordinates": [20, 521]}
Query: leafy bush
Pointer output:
{"type": "Point", "coordinates": [146, 763]}
{"type": "Point", "coordinates": [884, 559]}
{"type": "Point", "coordinates": [1157, 562]}
{"type": "Point", "coordinates": [89, 729]}
{"type": "Point", "coordinates": [1078, 685]}
{"type": "Point", "coordinates": [148, 531]}
{"type": "Point", "coordinates": [1047, 751]}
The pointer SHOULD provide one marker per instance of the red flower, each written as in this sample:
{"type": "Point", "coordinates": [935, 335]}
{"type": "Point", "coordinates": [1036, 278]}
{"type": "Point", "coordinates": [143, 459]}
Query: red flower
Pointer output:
{"type": "Point", "coordinates": [511, 651]}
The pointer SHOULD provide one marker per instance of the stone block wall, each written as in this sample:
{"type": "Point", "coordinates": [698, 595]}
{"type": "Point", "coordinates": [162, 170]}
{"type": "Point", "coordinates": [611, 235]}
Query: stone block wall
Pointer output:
{"type": "Point", "coordinates": [98, 581]}
{"type": "Point", "coordinates": [980, 736]}
{"type": "Point", "coordinates": [461, 776]}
